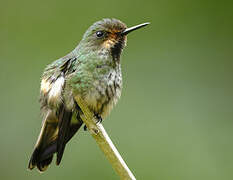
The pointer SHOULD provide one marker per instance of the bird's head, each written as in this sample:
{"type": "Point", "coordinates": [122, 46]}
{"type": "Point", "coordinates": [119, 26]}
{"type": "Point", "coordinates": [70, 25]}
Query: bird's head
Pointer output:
{"type": "Point", "coordinates": [107, 36]}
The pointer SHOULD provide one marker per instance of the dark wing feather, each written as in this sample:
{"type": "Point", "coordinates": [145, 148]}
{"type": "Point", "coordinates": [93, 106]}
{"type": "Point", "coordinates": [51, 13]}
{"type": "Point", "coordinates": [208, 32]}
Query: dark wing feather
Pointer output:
{"type": "Point", "coordinates": [63, 126]}
{"type": "Point", "coordinates": [57, 128]}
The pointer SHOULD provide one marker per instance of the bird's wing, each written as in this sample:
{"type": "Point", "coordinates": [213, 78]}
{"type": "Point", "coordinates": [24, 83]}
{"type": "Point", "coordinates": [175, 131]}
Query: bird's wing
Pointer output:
{"type": "Point", "coordinates": [57, 128]}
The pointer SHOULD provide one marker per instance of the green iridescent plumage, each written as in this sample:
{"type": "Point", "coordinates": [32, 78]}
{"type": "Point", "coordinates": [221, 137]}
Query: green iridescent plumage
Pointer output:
{"type": "Point", "coordinates": [91, 71]}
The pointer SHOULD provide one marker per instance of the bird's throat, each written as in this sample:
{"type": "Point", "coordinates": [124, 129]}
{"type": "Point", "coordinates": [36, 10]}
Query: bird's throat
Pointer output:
{"type": "Point", "coordinates": [116, 50]}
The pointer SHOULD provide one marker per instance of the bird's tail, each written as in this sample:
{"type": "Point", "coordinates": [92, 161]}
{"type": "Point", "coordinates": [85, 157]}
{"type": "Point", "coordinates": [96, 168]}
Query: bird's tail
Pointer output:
{"type": "Point", "coordinates": [48, 142]}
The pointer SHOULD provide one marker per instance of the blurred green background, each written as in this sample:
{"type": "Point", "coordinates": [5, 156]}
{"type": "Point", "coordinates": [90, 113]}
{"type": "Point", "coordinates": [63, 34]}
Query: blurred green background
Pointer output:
{"type": "Point", "coordinates": [178, 88]}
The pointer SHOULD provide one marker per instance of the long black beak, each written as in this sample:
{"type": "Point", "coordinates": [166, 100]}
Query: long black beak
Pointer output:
{"type": "Point", "coordinates": [128, 30]}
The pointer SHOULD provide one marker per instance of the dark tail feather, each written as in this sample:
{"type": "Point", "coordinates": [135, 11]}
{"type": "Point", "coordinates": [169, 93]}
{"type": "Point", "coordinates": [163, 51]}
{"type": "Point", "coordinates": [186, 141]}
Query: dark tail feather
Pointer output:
{"type": "Point", "coordinates": [46, 144]}
{"type": "Point", "coordinates": [43, 165]}
{"type": "Point", "coordinates": [42, 159]}
{"type": "Point", "coordinates": [33, 160]}
{"type": "Point", "coordinates": [50, 142]}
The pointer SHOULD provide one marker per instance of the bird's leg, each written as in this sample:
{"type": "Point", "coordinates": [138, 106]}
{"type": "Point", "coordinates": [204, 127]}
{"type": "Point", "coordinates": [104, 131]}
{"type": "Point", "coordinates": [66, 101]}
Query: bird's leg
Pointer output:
{"type": "Point", "coordinates": [98, 118]}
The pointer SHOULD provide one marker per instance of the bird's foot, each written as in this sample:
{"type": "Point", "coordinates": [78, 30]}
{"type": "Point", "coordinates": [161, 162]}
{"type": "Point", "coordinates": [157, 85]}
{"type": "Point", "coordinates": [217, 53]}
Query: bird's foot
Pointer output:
{"type": "Point", "coordinates": [98, 118]}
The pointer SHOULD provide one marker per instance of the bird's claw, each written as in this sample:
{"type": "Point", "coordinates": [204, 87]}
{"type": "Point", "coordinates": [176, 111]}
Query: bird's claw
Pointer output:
{"type": "Point", "coordinates": [98, 118]}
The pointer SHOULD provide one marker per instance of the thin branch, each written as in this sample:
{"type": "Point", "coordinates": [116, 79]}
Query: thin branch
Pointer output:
{"type": "Point", "coordinates": [101, 137]}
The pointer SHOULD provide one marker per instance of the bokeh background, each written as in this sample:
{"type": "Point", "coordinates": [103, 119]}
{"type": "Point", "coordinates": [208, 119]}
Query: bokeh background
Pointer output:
{"type": "Point", "coordinates": [175, 118]}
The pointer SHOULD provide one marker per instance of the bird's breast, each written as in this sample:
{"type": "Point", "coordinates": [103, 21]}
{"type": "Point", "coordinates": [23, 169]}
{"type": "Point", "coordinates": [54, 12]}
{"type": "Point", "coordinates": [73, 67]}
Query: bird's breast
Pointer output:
{"type": "Point", "coordinates": [105, 92]}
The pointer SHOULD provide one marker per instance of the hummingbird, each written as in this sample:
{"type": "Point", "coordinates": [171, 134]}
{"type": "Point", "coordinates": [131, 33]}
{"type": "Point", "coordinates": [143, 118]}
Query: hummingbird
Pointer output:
{"type": "Point", "coordinates": [91, 71]}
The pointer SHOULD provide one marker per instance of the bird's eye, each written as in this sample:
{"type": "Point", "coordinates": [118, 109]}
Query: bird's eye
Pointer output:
{"type": "Point", "coordinates": [99, 34]}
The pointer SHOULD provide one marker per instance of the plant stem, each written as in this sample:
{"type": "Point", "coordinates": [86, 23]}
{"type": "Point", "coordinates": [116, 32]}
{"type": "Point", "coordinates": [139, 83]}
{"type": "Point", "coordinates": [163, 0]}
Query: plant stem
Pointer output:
{"type": "Point", "coordinates": [103, 140]}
